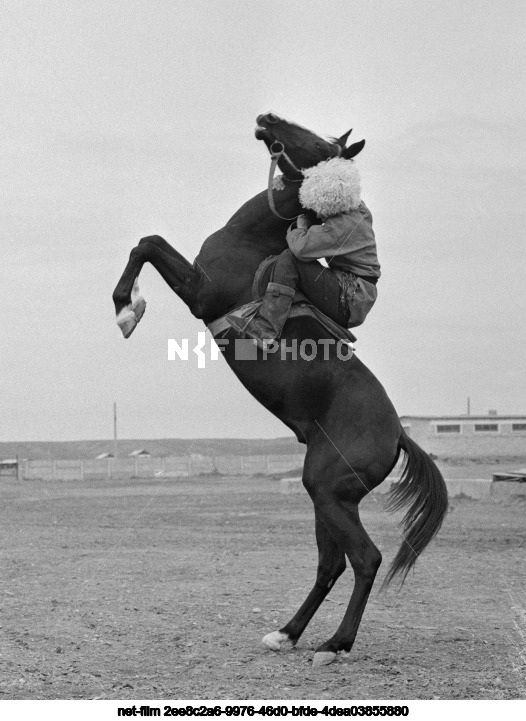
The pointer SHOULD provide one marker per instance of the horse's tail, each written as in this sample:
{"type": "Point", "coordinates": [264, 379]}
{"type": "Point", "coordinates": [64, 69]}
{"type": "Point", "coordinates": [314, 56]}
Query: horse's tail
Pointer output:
{"type": "Point", "coordinates": [423, 489]}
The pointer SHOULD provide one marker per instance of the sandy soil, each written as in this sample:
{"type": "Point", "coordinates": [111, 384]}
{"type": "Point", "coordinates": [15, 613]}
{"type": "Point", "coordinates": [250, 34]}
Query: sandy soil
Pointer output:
{"type": "Point", "coordinates": [163, 589]}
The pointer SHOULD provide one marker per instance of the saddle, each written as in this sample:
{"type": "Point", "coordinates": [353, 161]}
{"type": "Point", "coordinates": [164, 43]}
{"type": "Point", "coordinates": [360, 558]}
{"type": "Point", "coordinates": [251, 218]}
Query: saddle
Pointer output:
{"type": "Point", "coordinates": [301, 307]}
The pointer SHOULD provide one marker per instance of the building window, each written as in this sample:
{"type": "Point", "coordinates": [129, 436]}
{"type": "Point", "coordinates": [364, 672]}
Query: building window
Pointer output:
{"type": "Point", "coordinates": [518, 427]}
{"type": "Point", "coordinates": [449, 428]}
{"type": "Point", "coordinates": [487, 427]}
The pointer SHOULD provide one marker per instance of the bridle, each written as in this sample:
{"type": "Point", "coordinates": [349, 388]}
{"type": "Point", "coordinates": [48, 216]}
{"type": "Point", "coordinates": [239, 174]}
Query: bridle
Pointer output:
{"type": "Point", "coordinates": [277, 151]}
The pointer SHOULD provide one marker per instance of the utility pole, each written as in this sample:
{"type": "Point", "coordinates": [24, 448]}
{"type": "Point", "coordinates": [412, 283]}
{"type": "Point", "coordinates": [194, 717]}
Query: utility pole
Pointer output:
{"type": "Point", "coordinates": [115, 442]}
{"type": "Point", "coordinates": [469, 406]}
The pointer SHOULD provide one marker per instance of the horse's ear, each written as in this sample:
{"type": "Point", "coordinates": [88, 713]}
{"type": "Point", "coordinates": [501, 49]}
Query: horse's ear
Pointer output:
{"type": "Point", "coordinates": [353, 150]}
{"type": "Point", "coordinates": [342, 142]}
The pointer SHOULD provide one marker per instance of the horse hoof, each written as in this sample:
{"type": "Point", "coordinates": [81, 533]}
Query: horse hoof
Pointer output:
{"type": "Point", "coordinates": [127, 322]}
{"type": "Point", "coordinates": [138, 307]}
{"type": "Point", "coordinates": [274, 640]}
{"type": "Point", "coordinates": [323, 658]}
{"type": "Point", "coordinates": [129, 317]}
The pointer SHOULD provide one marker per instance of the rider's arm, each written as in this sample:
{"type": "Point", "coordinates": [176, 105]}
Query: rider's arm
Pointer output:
{"type": "Point", "coordinates": [340, 234]}
{"type": "Point", "coordinates": [312, 243]}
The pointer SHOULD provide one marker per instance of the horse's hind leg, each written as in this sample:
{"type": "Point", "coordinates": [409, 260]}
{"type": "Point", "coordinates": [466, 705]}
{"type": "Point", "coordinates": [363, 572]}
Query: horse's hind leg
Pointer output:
{"type": "Point", "coordinates": [343, 521]}
{"type": "Point", "coordinates": [172, 266]}
{"type": "Point", "coordinates": [336, 485]}
{"type": "Point", "coordinates": [331, 564]}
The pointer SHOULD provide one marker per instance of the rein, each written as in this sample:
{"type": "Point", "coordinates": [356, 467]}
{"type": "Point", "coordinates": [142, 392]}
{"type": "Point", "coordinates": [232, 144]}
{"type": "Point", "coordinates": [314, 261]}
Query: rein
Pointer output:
{"type": "Point", "coordinates": [276, 153]}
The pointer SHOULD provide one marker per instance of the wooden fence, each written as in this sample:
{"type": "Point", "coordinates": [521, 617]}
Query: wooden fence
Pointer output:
{"type": "Point", "coordinates": [150, 467]}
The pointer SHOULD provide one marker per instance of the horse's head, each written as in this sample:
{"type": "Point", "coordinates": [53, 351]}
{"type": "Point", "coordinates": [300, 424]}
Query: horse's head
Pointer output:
{"type": "Point", "coordinates": [300, 146]}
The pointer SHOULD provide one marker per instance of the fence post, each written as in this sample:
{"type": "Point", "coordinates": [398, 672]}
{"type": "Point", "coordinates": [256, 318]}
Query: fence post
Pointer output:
{"type": "Point", "coordinates": [109, 467]}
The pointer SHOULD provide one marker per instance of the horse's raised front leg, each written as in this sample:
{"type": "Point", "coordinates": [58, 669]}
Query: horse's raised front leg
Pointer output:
{"type": "Point", "coordinates": [331, 564]}
{"type": "Point", "coordinates": [178, 273]}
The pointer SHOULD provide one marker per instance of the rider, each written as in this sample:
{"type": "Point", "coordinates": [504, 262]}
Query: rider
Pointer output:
{"type": "Point", "coordinates": [346, 290]}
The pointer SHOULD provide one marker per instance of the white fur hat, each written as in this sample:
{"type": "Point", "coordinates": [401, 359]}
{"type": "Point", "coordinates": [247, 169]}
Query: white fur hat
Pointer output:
{"type": "Point", "coordinates": [331, 187]}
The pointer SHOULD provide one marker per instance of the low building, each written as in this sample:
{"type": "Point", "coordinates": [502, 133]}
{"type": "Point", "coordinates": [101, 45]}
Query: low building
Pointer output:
{"type": "Point", "coordinates": [9, 467]}
{"type": "Point", "coordinates": [469, 436]}
{"type": "Point", "coordinates": [140, 453]}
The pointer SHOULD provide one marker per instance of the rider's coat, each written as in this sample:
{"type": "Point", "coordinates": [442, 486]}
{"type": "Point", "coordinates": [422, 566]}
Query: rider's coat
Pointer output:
{"type": "Point", "coordinates": [345, 240]}
{"type": "Point", "coordinates": [345, 237]}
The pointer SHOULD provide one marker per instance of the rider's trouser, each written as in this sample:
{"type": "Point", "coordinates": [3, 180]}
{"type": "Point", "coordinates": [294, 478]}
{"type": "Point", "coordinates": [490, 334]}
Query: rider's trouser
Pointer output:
{"type": "Point", "coordinates": [319, 284]}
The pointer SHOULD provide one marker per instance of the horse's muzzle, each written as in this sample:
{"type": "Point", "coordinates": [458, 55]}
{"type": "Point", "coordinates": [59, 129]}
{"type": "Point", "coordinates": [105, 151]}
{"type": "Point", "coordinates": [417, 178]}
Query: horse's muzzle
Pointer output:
{"type": "Point", "coordinates": [262, 133]}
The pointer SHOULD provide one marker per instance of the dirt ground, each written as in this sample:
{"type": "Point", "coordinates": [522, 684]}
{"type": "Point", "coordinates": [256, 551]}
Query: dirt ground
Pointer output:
{"type": "Point", "coordinates": [163, 589]}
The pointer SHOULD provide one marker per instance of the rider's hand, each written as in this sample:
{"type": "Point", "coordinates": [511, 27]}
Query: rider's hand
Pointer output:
{"type": "Point", "coordinates": [303, 222]}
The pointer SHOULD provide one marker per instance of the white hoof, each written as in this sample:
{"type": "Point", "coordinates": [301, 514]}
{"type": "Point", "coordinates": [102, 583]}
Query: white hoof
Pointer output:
{"type": "Point", "coordinates": [127, 322]}
{"type": "Point", "coordinates": [323, 658]}
{"type": "Point", "coordinates": [138, 307]}
{"type": "Point", "coordinates": [274, 640]}
{"type": "Point", "coordinates": [129, 317]}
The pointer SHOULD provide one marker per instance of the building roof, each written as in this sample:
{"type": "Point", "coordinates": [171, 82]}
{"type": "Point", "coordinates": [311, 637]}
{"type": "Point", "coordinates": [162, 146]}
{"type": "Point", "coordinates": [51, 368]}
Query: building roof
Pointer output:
{"type": "Point", "coordinates": [465, 417]}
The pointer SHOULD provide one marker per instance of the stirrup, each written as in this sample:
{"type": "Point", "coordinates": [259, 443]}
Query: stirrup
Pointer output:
{"type": "Point", "coordinates": [244, 329]}
{"type": "Point", "coordinates": [238, 323]}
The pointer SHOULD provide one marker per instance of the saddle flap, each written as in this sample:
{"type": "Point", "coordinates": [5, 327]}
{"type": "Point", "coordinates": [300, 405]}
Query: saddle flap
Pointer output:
{"type": "Point", "coordinates": [301, 306]}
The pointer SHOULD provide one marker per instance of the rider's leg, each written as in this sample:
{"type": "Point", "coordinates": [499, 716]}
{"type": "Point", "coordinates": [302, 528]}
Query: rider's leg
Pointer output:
{"type": "Point", "coordinates": [268, 323]}
{"type": "Point", "coordinates": [318, 283]}
{"type": "Point", "coordinates": [273, 312]}
{"type": "Point", "coordinates": [322, 288]}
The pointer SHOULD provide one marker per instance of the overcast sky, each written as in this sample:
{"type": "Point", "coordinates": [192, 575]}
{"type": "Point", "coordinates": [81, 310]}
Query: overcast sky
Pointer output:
{"type": "Point", "coordinates": [124, 119]}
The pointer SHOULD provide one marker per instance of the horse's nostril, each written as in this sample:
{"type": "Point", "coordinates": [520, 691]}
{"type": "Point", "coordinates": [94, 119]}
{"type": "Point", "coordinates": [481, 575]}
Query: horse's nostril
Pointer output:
{"type": "Point", "coordinates": [272, 118]}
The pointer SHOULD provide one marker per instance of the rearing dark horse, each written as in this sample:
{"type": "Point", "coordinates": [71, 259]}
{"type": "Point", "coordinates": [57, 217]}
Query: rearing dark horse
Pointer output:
{"type": "Point", "coordinates": [336, 407]}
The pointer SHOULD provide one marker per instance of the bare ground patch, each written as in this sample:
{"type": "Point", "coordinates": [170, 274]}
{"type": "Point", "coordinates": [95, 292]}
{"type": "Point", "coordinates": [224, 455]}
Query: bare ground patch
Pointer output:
{"type": "Point", "coordinates": [145, 589]}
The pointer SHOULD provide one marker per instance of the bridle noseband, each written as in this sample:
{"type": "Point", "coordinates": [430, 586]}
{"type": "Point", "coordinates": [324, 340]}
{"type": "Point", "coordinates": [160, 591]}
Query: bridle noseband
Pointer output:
{"type": "Point", "coordinates": [277, 151]}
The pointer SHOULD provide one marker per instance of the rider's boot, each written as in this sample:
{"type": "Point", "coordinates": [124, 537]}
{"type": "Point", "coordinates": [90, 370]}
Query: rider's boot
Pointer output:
{"type": "Point", "coordinates": [268, 322]}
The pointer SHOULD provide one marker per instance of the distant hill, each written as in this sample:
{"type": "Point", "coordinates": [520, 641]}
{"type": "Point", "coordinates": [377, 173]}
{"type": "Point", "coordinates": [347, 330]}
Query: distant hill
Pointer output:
{"type": "Point", "coordinates": [159, 447]}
